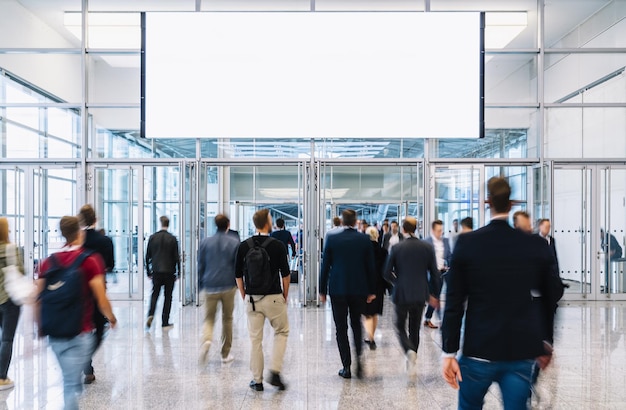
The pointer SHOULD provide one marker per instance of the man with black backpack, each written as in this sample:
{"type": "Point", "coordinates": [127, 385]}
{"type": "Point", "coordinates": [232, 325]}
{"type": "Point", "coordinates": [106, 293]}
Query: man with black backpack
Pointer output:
{"type": "Point", "coordinates": [261, 269]}
{"type": "Point", "coordinates": [68, 284]}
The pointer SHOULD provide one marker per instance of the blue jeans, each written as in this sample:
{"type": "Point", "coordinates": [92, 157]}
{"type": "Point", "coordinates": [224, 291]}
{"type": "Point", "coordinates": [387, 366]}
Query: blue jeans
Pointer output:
{"type": "Point", "coordinates": [73, 355]}
{"type": "Point", "coordinates": [513, 377]}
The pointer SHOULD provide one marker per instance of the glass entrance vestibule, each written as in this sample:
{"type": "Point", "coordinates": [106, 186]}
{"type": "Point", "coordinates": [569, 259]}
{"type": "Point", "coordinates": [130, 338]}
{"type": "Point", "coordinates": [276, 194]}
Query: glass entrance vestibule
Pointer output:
{"type": "Point", "coordinates": [129, 198]}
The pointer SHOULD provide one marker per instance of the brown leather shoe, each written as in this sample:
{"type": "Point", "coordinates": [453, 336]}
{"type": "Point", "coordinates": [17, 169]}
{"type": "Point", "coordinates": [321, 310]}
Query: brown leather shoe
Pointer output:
{"type": "Point", "coordinates": [430, 324]}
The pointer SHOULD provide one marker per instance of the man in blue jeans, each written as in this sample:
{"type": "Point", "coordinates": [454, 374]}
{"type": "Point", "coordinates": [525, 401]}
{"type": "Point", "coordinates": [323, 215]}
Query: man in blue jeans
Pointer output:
{"type": "Point", "coordinates": [505, 278]}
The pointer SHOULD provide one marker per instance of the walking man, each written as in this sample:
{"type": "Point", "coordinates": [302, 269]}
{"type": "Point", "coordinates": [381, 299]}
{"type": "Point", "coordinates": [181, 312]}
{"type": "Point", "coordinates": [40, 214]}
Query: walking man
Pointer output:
{"type": "Point", "coordinates": [349, 277]}
{"type": "Point", "coordinates": [407, 268]}
{"type": "Point", "coordinates": [505, 278]}
{"type": "Point", "coordinates": [262, 274]}
{"type": "Point", "coordinates": [163, 267]}
{"type": "Point", "coordinates": [103, 245]}
{"type": "Point", "coordinates": [216, 276]}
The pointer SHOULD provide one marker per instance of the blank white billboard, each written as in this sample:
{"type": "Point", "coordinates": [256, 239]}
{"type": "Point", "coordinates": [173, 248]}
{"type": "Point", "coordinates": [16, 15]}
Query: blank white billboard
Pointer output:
{"type": "Point", "coordinates": [312, 74]}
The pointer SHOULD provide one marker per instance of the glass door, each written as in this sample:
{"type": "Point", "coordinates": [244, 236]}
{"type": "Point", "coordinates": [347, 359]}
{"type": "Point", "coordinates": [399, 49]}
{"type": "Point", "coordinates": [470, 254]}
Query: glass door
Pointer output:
{"type": "Point", "coordinates": [34, 199]}
{"type": "Point", "coordinates": [239, 190]}
{"type": "Point", "coordinates": [612, 221]}
{"type": "Point", "coordinates": [189, 236]}
{"type": "Point", "coordinates": [117, 200]}
{"type": "Point", "coordinates": [589, 208]}
{"type": "Point", "coordinates": [457, 192]}
{"type": "Point", "coordinates": [572, 227]}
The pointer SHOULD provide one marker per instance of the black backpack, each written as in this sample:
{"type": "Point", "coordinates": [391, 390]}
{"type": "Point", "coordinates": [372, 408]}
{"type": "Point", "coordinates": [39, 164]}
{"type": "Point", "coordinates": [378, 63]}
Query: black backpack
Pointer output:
{"type": "Point", "coordinates": [62, 300]}
{"type": "Point", "coordinates": [257, 270]}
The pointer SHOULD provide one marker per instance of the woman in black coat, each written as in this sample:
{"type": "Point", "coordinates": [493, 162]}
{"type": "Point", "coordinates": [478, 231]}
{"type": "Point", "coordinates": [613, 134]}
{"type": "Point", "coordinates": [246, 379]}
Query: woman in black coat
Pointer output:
{"type": "Point", "coordinates": [372, 310]}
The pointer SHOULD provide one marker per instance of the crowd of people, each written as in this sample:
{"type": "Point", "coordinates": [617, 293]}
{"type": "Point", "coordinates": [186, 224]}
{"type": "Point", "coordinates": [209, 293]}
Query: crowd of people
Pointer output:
{"type": "Point", "coordinates": [501, 282]}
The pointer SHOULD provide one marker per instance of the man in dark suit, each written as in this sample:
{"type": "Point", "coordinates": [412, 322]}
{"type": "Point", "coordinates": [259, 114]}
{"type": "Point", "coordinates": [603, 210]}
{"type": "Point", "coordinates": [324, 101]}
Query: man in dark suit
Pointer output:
{"type": "Point", "coordinates": [103, 245]}
{"type": "Point", "coordinates": [544, 232]}
{"type": "Point", "coordinates": [163, 268]}
{"type": "Point", "coordinates": [348, 276]}
{"type": "Point", "coordinates": [284, 236]}
{"type": "Point", "coordinates": [442, 257]}
{"type": "Point", "coordinates": [506, 278]}
{"type": "Point", "coordinates": [392, 237]}
{"type": "Point", "coordinates": [407, 268]}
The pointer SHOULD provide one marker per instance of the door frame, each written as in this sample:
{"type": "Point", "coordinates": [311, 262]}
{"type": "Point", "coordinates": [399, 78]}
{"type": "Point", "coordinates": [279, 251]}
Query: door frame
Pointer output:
{"type": "Point", "coordinates": [93, 169]}
{"type": "Point", "coordinates": [32, 203]}
{"type": "Point", "coordinates": [591, 257]}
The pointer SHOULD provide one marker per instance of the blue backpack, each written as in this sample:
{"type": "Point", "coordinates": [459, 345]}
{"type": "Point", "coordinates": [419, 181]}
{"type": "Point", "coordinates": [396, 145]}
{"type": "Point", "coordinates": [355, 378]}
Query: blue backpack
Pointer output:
{"type": "Point", "coordinates": [61, 299]}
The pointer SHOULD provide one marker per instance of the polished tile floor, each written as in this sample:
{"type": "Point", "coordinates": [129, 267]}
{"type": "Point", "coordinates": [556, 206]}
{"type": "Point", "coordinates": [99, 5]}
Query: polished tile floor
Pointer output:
{"type": "Point", "coordinates": [159, 369]}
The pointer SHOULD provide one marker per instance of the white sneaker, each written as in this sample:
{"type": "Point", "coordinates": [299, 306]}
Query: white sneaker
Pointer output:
{"type": "Point", "coordinates": [204, 352]}
{"type": "Point", "coordinates": [228, 358]}
{"type": "Point", "coordinates": [411, 362]}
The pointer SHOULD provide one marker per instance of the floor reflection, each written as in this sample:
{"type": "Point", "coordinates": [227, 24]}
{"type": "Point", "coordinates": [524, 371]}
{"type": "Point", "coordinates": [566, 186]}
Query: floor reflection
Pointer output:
{"type": "Point", "coordinates": [159, 369]}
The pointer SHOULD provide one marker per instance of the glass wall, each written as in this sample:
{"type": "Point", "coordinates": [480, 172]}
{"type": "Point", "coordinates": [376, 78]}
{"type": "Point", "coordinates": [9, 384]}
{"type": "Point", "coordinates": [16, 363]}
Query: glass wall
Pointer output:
{"type": "Point", "coordinates": [555, 93]}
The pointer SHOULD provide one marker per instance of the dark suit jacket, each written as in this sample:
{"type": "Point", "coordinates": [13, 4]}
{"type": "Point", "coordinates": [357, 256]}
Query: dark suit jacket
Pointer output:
{"type": "Point", "coordinates": [552, 246]}
{"type": "Point", "coordinates": [507, 278]}
{"type": "Point", "coordinates": [348, 265]}
{"type": "Point", "coordinates": [97, 242]}
{"type": "Point", "coordinates": [285, 237]}
{"type": "Point", "coordinates": [386, 238]}
{"type": "Point", "coordinates": [407, 268]}
{"type": "Point", "coordinates": [162, 256]}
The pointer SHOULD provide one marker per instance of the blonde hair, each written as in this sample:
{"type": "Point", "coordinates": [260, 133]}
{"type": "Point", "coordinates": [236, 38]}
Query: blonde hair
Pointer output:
{"type": "Point", "coordinates": [4, 230]}
{"type": "Point", "coordinates": [373, 233]}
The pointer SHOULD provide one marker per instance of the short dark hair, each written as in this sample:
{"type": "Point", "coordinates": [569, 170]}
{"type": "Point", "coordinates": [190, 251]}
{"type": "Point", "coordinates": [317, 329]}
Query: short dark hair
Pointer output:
{"type": "Point", "coordinates": [455, 220]}
{"type": "Point", "coordinates": [518, 214]}
{"type": "Point", "coordinates": [349, 217]}
{"type": "Point", "coordinates": [394, 222]}
{"type": "Point", "coordinates": [336, 221]}
{"type": "Point", "coordinates": [70, 227]}
{"type": "Point", "coordinates": [280, 222]}
{"type": "Point", "coordinates": [409, 225]}
{"type": "Point", "coordinates": [86, 215]}
{"type": "Point", "coordinates": [165, 221]}
{"type": "Point", "coordinates": [435, 223]}
{"type": "Point", "coordinates": [542, 220]}
{"type": "Point", "coordinates": [221, 222]}
{"type": "Point", "coordinates": [467, 222]}
{"type": "Point", "coordinates": [261, 218]}
{"type": "Point", "coordinates": [499, 194]}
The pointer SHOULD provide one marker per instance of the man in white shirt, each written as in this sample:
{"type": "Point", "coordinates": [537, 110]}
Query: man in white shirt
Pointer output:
{"type": "Point", "coordinates": [393, 237]}
{"type": "Point", "coordinates": [442, 255]}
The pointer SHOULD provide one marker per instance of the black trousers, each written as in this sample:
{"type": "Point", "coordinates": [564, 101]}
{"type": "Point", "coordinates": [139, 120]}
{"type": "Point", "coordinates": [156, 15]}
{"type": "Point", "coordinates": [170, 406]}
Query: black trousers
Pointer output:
{"type": "Point", "coordinates": [9, 316]}
{"type": "Point", "coordinates": [99, 322]}
{"type": "Point", "coordinates": [165, 281]}
{"type": "Point", "coordinates": [414, 313]}
{"type": "Point", "coordinates": [355, 306]}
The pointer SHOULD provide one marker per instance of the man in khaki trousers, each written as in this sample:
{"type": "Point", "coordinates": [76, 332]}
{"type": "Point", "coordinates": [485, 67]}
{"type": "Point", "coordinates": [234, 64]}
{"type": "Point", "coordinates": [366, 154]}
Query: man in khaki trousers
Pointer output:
{"type": "Point", "coordinates": [263, 275]}
{"type": "Point", "coordinates": [216, 277]}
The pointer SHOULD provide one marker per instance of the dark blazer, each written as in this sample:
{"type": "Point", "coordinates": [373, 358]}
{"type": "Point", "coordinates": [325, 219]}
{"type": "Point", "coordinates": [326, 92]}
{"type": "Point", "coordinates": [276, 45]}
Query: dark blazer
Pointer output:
{"type": "Point", "coordinates": [285, 237]}
{"type": "Point", "coordinates": [506, 277]}
{"type": "Point", "coordinates": [162, 256]}
{"type": "Point", "coordinates": [447, 252]}
{"type": "Point", "coordinates": [552, 246]}
{"type": "Point", "coordinates": [380, 259]}
{"type": "Point", "coordinates": [386, 238]}
{"type": "Point", "coordinates": [97, 242]}
{"type": "Point", "coordinates": [407, 268]}
{"type": "Point", "coordinates": [348, 265]}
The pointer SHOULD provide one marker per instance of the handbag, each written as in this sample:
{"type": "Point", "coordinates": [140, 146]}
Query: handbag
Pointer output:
{"type": "Point", "coordinates": [20, 289]}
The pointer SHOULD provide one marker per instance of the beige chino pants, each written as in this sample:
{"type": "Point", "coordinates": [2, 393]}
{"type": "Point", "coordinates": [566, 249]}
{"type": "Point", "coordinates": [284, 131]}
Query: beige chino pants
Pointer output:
{"type": "Point", "coordinates": [211, 300]}
{"type": "Point", "coordinates": [274, 309]}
